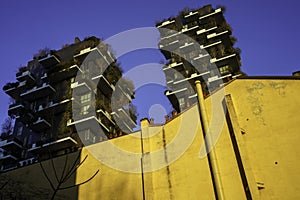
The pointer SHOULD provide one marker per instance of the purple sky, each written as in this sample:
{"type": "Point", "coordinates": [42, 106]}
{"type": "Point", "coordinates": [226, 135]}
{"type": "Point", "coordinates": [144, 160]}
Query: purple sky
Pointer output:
{"type": "Point", "coordinates": [267, 32]}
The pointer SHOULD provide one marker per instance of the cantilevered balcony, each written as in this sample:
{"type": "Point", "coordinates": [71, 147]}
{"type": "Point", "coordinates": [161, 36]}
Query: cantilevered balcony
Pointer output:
{"type": "Point", "coordinates": [8, 158]}
{"type": "Point", "coordinates": [212, 35]}
{"type": "Point", "coordinates": [170, 46]}
{"type": "Point", "coordinates": [86, 122]}
{"type": "Point", "coordinates": [106, 115]}
{"type": "Point", "coordinates": [206, 30]}
{"type": "Point", "coordinates": [54, 107]}
{"type": "Point", "coordinates": [64, 74]}
{"type": "Point", "coordinates": [187, 47]}
{"type": "Point", "coordinates": [214, 60]}
{"type": "Point", "coordinates": [38, 92]}
{"type": "Point", "coordinates": [25, 76]}
{"type": "Point", "coordinates": [40, 125]}
{"type": "Point", "coordinates": [11, 145]}
{"type": "Point", "coordinates": [49, 60]}
{"type": "Point", "coordinates": [16, 109]}
{"type": "Point", "coordinates": [26, 117]}
{"type": "Point", "coordinates": [53, 146]}
{"type": "Point", "coordinates": [210, 45]}
{"type": "Point", "coordinates": [167, 24]}
{"type": "Point", "coordinates": [176, 92]}
{"type": "Point", "coordinates": [174, 65]}
{"type": "Point", "coordinates": [14, 89]}
{"type": "Point", "coordinates": [123, 116]}
{"type": "Point", "coordinates": [103, 84]}
{"type": "Point", "coordinates": [80, 88]}
{"type": "Point", "coordinates": [219, 10]}
{"type": "Point", "coordinates": [189, 29]}
{"type": "Point", "coordinates": [193, 76]}
{"type": "Point", "coordinates": [98, 52]}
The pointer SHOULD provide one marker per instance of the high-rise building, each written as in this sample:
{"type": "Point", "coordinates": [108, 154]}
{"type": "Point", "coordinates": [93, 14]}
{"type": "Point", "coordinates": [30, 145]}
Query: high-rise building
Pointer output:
{"type": "Point", "coordinates": [214, 60]}
{"type": "Point", "coordinates": [61, 101]}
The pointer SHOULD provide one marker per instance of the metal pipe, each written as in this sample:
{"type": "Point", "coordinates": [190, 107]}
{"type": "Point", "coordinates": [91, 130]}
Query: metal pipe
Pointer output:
{"type": "Point", "coordinates": [212, 154]}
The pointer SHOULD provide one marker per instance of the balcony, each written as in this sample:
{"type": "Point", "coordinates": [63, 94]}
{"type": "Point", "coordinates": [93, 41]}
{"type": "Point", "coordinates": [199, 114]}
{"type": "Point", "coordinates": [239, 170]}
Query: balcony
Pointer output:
{"type": "Point", "coordinates": [174, 65]}
{"type": "Point", "coordinates": [187, 29]}
{"type": "Point", "coordinates": [25, 76]}
{"type": "Point", "coordinates": [216, 78]}
{"type": "Point", "coordinates": [166, 23]}
{"type": "Point", "coordinates": [214, 60]}
{"type": "Point", "coordinates": [38, 92]}
{"type": "Point", "coordinates": [87, 122]}
{"type": "Point", "coordinates": [210, 45]}
{"type": "Point", "coordinates": [80, 88]}
{"type": "Point", "coordinates": [54, 107]}
{"type": "Point", "coordinates": [187, 47]}
{"type": "Point", "coordinates": [212, 35]}
{"type": "Point", "coordinates": [14, 89]}
{"type": "Point", "coordinates": [8, 158]}
{"type": "Point", "coordinates": [64, 74]}
{"type": "Point", "coordinates": [49, 60]}
{"type": "Point", "coordinates": [176, 92]}
{"type": "Point", "coordinates": [169, 46]}
{"type": "Point", "coordinates": [25, 117]}
{"type": "Point", "coordinates": [53, 146]}
{"type": "Point", "coordinates": [106, 115]}
{"type": "Point", "coordinates": [219, 10]}
{"type": "Point", "coordinates": [16, 109]}
{"type": "Point", "coordinates": [193, 76]}
{"type": "Point", "coordinates": [11, 145]}
{"type": "Point", "coordinates": [40, 125]}
{"type": "Point", "coordinates": [206, 30]}
{"type": "Point", "coordinates": [103, 84]}
{"type": "Point", "coordinates": [191, 14]}
{"type": "Point", "coordinates": [201, 56]}
{"type": "Point", "coordinates": [123, 116]}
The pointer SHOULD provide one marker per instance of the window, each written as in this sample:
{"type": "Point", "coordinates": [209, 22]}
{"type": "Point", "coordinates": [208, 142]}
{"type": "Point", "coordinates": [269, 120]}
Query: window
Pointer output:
{"type": "Point", "coordinates": [87, 134]}
{"type": "Point", "coordinates": [225, 69]}
{"type": "Point", "coordinates": [181, 101]}
{"type": "Point", "coordinates": [85, 98]}
{"type": "Point", "coordinates": [85, 110]}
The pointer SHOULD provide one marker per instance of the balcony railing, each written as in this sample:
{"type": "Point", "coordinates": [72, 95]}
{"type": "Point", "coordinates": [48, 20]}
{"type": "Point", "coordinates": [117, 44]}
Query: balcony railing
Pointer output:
{"type": "Point", "coordinates": [123, 116]}
{"type": "Point", "coordinates": [173, 65]}
{"type": "Point", "coordinates": [16, 108]}
{"type": "Point", "coordinates": [11, 145]}
{"type": "Point", "coordinates": [219, 10]}
{"type": "Point", "coordinates": [166, 23]}
{"type": "Point", "coordinates": [206, 30]}
{"type": "Point", "coordinates": [14, 89]}
{"type": "Point", "coordinates": [108, 57]}
{"type": "Point", "coordinates": [169, 45]}
{"type": "Point", "coordinates": [214, 60]}
{"type": "Point", "coordinates": [193, 76]}
{"type": "Point", "coordinates": [91, 122]}
{"type": "Point", "coordinates": [52, 146]}
{"type": "Point", "coordinates": [38, 92]}
{"type": "Point", "coordinates": [25, 76]}
{"type": "Point", "coordinates": [49, 60]}
{"type": "Point", "coordinates": [64, 74]}
{"type": "Point", "coordinates": [216, 34]}
{"type": "Point", "coordinates": [80, 88]}
{"type": "Point", "coordinates": [106, 114]}
{"type": "Point", "coordinates": [26, 117]}
{"type": "Point", "coordinates": [54, 107]}
{"type": "Point", "coordinates": [103, 84]}
{"type": "Point", "coordinates": [210, 45]}
{"type": "Point", "coordinates": [40, 125]}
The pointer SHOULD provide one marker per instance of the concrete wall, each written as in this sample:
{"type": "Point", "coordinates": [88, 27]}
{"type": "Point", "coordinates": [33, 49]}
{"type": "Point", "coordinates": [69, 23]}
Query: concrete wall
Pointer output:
{"type": "Point", "coordinates": [258, 141]}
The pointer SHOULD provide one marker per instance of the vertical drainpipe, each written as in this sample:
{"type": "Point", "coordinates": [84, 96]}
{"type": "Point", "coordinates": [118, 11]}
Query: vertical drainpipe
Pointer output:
{"type": "Point", "coordinates": [212, 159]}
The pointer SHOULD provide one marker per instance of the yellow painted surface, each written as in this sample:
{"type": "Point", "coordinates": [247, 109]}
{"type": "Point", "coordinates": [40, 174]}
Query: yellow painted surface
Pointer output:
{"type": "Point", "coordinates": [268, 141]}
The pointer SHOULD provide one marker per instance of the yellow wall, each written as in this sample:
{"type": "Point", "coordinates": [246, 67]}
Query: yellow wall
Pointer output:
{"type": "Point", "coordinates": [267, 135]}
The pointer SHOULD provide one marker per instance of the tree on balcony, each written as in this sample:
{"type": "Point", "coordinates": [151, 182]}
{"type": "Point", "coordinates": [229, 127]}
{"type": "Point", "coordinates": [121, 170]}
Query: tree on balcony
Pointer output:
{"type": "Point", "coordinates": [7, 128]}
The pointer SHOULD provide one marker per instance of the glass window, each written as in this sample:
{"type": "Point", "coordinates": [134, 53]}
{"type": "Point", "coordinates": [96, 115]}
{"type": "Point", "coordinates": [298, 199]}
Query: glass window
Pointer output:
{"type": "Point", "coordinates": [85, 98]}
{"type": "Point", "coordinates": [85, 110]}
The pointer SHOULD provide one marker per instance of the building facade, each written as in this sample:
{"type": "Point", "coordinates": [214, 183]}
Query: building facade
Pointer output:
{"type": "Point", "coordinates": [198, 45]}
{"type": "Point", "coordinates": [57, 94]}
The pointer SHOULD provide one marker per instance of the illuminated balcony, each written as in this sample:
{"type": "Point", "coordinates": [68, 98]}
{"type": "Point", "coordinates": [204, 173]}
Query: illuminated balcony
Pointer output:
{"type": "Point", "coordinates": [53, 146]}
{"type": "Point", "coordinates": [49, 60]}
{"type": "Point", "coordinates": [186, 30]}
{"type": "Point", "coordinates": [64, 74]}
{"type": "Point", "coordinates": [217, 78]}
{"type": "Point", "coordinates": [11, 145]}
{"type": "Point", "coordinates": [123, 116]}
{"type": "Point", "coordinates": [210, 45]}
{"type": "Point", "coordinates": [106, 115]}
{"type": "Point", "coordinates": [201, 56]}
{"type": "Point", "coordinates": [193, 76]}
{"type": "Point", "coordinates": [174, 65]}
{"type": "Point", "coordinates": [103, 84]}
{"type": "Point", "coordinates": [88, 122]}
{"type": "Point", "coordinates": [25, 76]}
{"type": "Point", "coordinates": [176, 92]}
{"type": "Point", "coordinates": [216, 34]}
{"type": "Point", "coordinates": [219, 10]}
{"type": "Point", "coordinates": [170, 46]}
{"type": "Point", "coordinates": [166, 24]}
{"type": "Point", "coordinates": [107, 56]}
{"type": "Point", "coordinates": [38, 92]}
{"type": "Point", "coordinates": [187, 47]}
{"type": "Point", "coordinates": [54, 107]}
{"type": "Point", "coordinates": [80, 88]}
{"type": "Point", "coordinates": [206, 30]}
{"type": "Point", "coordinates": [40, 125]}
{"type": "Point", "coordinates": [214, 60]}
